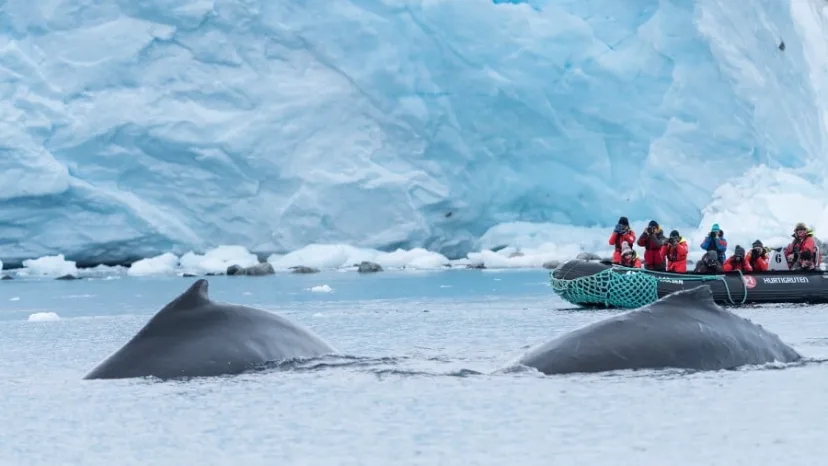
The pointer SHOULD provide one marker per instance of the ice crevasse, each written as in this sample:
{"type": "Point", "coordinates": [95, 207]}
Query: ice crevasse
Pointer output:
{"type": "Point", "coordinates": [136, 128]}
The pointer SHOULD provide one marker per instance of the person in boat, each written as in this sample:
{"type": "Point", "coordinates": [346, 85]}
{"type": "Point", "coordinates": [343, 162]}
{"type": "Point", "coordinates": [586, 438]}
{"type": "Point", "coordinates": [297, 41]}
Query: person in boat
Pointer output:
{"type": "Point", "coordinates": [622, 233]}
{"type": "Point", "coordinates": [757, 257]}
{"type": "Point", "coordinates": [715, 241]}
{"type": "Point", "coordinates": [801, 253]}
{"type": "Point", "coordinates": [817, 249]}
{"type": "Point", "coordinates": [737, 261]}
{"type": "Point", "coordinates": [629, 258]}
{"type": "Point", "coordinates": [653, 242]}
{"type": "Point", "coordinates": [709, 263]}
{"type": "Point", "coordinates": [676, 253]}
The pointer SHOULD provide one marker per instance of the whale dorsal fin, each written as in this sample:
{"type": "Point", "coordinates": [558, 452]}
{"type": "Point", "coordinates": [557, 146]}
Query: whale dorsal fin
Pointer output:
{"type": "Point", "coordinates": [195, 296]}
{"type": "Point", "coordinates": [698, 297]}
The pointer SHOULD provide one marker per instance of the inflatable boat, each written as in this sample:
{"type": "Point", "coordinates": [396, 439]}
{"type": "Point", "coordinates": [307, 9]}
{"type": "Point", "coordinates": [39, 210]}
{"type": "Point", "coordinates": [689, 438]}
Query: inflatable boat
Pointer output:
{"type": "Point", "coordinates": [602, 284]}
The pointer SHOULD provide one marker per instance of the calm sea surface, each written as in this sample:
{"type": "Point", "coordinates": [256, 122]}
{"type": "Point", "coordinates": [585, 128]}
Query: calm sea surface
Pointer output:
{"type": "Point", "coordinates": [424, 378]}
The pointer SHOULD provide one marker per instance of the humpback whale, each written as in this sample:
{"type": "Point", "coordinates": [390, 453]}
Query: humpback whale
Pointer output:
{"type": "Point", "coordinates": [193, 336]}
{"type": "Point", "coordinates": [685, 330]}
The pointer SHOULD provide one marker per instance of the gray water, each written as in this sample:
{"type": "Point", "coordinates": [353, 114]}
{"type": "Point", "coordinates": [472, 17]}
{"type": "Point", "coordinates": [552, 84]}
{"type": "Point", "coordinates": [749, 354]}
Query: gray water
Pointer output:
{"type": "Point", "coordinates": [426, 377]}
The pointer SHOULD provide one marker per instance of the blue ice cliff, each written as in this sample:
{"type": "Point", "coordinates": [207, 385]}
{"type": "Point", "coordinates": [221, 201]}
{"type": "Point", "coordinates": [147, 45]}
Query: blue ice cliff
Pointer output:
{"type": "Point", "coordinates": [136, 127]}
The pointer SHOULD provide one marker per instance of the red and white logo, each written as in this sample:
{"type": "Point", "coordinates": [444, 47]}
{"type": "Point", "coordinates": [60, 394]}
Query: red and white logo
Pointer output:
{"type": "Point", "coordinates": [750, 282]}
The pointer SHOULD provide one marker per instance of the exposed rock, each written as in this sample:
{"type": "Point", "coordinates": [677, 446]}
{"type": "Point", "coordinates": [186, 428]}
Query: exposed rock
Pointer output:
{"type": "Point", "coordinates": [553, 264]}
{"type": "Point", "coordinates": [588, 256]}
{"type": "Point", "coordinates": [188, 275]}
{"type": "Point", "coordinates": [304, 269]}
{"type": "Point", "coordinates": [368, 267]}
{"type": "Point", "coordinates": [517, 253]}
{"type": "Point", "coordinates": [263, 268]}
{"type": "Point", "coordinates": [477, 265]}
{"type": "Point", "coordinates": [212, 274]}
{"type": "Point", "coordinates": [67, 277]}
{"type": "Point", "coordinates": [7, 277]}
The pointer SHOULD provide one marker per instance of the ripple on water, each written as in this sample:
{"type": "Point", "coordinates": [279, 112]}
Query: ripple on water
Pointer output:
{"type": "Point", "coordinates": [426, 377]}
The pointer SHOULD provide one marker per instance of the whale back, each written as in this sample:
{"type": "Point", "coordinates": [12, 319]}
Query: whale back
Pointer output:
{"type": "Point", "coordinates": [685, 329]}
{"type": "Point", "coordinates": [195, 336]}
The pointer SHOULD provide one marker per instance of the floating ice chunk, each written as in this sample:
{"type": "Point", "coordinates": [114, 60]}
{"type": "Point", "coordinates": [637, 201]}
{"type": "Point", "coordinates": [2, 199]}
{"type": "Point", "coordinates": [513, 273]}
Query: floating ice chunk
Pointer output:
{"type": "Point", "coordinates": [335, 256]}
{"type": "Point", "coordinates": [322, 256]}
{"type": "Point", "coordinates": [49, 266]}
{"type": "Point", "coordinates": [417, 258]}
{"type": "Point", "coordinates": [511, 257]}
{"type": "Point", "coordinates": [217, 260]}
{"type": "Point", "coordinates": [43, 317]}
{"type": "Point", "coordinates": [165, 264]}
{"type": "Point", "coordinates": [320, 289]}
{"type": "Point", "coordinates": [103, 271]}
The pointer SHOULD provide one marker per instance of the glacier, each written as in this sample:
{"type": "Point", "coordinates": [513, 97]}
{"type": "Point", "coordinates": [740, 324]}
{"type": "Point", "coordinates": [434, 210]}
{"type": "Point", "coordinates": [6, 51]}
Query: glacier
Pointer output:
{"type": "Point", "coordinates": [136, 128]}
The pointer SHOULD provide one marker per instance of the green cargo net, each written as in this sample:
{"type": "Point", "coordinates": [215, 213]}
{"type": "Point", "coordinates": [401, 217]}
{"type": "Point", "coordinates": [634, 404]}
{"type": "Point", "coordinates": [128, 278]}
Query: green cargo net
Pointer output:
{"type": "Point", "coordinates": [610, 288]}
{"type": "Point", "coordinates": [623, 287]}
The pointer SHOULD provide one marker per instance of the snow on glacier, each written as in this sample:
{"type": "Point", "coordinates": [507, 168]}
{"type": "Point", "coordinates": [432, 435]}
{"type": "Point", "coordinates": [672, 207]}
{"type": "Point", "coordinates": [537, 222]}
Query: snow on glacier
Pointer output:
{"type": "Point", "coordinates": [139, 128]}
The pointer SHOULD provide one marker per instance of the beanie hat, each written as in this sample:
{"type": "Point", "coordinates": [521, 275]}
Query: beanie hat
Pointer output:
{"type": "Point", "coordinates": [624, 221]}
{"type": "Point", "coordinates": [715, 227]}
{"type": "Point", "coordinates": [625, 248]}
{"type": "Point", "coordinates": [739, 251]}
{"type": "Point", "coordinates": [653, 223]}
{"type": "Point", "coordinates": [757, 244]}
{"type": "Point", "coordinates": [675, 234]}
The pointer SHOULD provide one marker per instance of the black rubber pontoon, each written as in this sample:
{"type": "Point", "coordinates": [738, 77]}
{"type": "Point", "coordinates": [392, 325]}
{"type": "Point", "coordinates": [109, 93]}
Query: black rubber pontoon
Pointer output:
{"type": "Point", "coordinates": [603, 284]}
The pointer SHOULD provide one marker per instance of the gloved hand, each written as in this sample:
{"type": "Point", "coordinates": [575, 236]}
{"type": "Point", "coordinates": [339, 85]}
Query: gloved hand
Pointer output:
{"type": "Point", "coordinates": [619, 228]}
{"type": "Point", "coordinates": [721, 233]}
{"type": "Point", "coordinates": [790, 257]}
{"type": "Point", "coordinates": [712, 235]}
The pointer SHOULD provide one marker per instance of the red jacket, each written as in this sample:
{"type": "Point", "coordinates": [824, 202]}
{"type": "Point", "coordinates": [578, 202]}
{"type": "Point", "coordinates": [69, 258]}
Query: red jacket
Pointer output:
{"type": "Point", "coordinates": [760, 264]}
{"type": "Point", "coordinates": [653, 248]}
{"type": "Point", "coordinates": [615, 240]}
{"type": "Point", "coordinates": [806, 244]}
{"type": "Point", "coordinates": [730, 265]}
{"type": "Point", "coordinates": [635, 263]}
{"type": "Point", "coordinates": [676, 256]}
